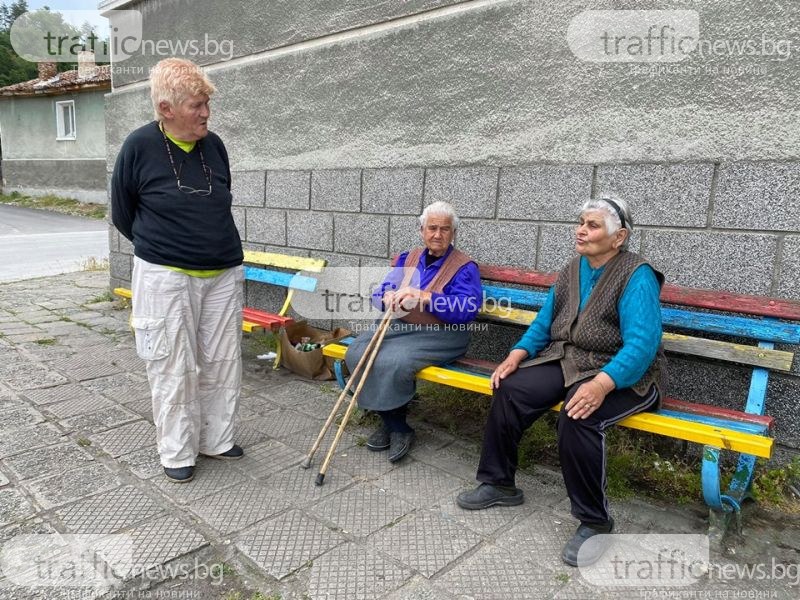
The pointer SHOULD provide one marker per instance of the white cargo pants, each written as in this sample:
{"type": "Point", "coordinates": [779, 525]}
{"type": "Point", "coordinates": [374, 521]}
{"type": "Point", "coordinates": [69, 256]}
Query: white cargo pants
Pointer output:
{"type": "Point", "coordinates": [189, 331]}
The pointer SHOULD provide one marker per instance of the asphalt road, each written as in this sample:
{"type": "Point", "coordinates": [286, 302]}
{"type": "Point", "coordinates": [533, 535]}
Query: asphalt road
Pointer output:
{"type": "Point", "coordinates": [35, 243]}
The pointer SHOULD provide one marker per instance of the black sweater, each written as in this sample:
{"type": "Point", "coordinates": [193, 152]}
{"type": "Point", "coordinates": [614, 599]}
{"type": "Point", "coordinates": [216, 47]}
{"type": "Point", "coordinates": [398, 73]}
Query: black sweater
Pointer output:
{"type": "Point", "coordinates": [167, 226]}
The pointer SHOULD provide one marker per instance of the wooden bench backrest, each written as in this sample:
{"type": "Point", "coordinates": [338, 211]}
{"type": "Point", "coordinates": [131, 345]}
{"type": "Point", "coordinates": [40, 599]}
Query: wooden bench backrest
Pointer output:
{"type": "Point", "coordinates": [762, 323]}
{"type": "Point", "coordinates": [285, 261]}
{"type": "Point", "coordinates": [778, 308]}
{"type": "Point", "coordinates": [255, 263]}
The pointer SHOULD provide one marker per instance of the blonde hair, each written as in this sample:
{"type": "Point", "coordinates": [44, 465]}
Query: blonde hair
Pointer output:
{"type": "Point", "coordinates": [173, 80]}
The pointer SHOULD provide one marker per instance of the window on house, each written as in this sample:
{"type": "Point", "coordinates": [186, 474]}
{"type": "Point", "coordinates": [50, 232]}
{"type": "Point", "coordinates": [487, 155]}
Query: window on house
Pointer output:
{"type": "Point", "coordinates": [65, 120]}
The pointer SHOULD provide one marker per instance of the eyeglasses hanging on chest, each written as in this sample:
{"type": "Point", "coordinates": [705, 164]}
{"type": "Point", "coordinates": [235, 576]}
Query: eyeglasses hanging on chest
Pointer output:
{"type": "Point", "coordinates": [177, 171]}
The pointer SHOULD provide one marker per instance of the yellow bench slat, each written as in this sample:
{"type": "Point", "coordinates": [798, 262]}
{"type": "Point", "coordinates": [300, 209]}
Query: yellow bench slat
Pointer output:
{"type": "Point", "coordinates": [334, 351]}
{"type": "Point", "coordinates": [284, 261]}
{"type": "Point", "coordinates": [654, 423]}
{"type": "Point", "coordinates": [779, 360]}
{"type": "Point", "coordinates": [249, 327]}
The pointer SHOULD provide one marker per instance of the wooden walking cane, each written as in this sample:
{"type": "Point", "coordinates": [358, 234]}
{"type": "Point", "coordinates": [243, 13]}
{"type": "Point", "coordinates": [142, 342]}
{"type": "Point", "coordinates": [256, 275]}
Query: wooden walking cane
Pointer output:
{"type": "Point", "coordinates": [364, 358]}
{"type": "Point", "coordinates": [376, 348]}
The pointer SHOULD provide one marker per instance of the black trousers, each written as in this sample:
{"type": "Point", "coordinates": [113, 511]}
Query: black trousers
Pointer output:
{"type": "Point", "coordinates": [395, 419]}
{"type": "Point", "coordinates": [527, 394]}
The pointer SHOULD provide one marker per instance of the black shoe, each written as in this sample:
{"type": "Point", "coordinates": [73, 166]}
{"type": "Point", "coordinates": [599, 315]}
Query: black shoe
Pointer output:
{"type": "Point", "coordinates": [180, 474]}
{"type": "Point", "coordinates": [379, 440]}
{"type": "Point", "coordinates": [234, 453]}
{"type": "Point", "coordinates": [486, 495]}
{"type": "Point", "coordinates": [400, 443]}
{"type": "Point", "coordinates": [591, 553]}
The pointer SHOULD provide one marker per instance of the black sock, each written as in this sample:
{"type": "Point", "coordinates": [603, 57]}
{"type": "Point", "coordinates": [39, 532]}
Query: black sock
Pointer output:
{"type": "Point", "coordinates": [395, 420]}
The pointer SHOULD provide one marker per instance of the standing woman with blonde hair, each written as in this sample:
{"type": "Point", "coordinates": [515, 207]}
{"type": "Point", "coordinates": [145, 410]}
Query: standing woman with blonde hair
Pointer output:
{"type": "Point", "coordinates": [171, 197]}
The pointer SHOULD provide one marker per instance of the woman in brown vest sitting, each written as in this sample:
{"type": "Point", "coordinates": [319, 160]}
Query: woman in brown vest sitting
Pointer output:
{"type": "Point", "coordinates": [594, 345]}
{"type": "Point", "coordinates": [437, 289]}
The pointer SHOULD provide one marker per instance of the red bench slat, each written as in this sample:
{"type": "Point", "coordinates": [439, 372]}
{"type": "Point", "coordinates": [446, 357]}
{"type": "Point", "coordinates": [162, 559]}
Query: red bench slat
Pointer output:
{"type": "Point", "coordinates": [715, 411]}
{"type": "Point", "coordinates": [265, 319]}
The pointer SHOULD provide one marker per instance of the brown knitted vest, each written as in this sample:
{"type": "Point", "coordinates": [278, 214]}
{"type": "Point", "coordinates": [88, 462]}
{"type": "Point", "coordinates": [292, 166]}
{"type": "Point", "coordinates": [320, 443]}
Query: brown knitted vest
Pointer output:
{"type": "Point", "coordinates": [585, 342]}
{"type": "Point", "coordinates": [454, 261]}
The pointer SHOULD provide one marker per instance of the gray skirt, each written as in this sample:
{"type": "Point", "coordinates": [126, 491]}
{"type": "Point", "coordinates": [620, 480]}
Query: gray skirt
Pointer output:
{"type": "Point", "coordinates": [406, 349]}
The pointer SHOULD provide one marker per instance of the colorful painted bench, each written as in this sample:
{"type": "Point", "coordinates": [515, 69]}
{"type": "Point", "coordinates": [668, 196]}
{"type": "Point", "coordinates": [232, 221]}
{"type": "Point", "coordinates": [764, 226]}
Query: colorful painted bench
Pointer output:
{"type": "Point", "coordinates": [262, 268]}
{"type": "Point", "coordinates": [765, 321]}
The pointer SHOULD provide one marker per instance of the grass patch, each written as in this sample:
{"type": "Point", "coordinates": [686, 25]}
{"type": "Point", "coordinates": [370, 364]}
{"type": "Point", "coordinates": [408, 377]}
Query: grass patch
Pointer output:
{"type": "Point", "coordinates": [637, 463]}
{"type": "Point", "coordinates": [774, 486]}
{"type": "Point", "coordinates": [256, 596]}
{"type": "Point", "coordinates": [460, 412]}
{"type": "Point", "coordinates": [359, 417]}
{"type": "Point", "coordinates": [106, 296]}
{"type": "Point", "coordinates": [264, 342]}
{"type": "Point", "coordinates": [330, 389]}
{"type": "Point", "coordinates": [121, 303]}
{"type": "Point", "coordinates": [257, 344]}
{"type": "Point", "coordinates": [95, 264]}
{"type": "Point", "coordinates": [67, 206]}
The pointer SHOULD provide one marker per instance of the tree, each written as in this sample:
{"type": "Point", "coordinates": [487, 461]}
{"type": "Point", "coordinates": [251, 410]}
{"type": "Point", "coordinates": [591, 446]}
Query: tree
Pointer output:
{"type": "Point", "coordinates": [13, 69]}
{"type": "Point", "coordinates": [14, 11]}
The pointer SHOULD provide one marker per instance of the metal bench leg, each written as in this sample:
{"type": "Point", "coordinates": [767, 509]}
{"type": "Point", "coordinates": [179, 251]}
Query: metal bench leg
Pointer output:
{"type": "Point", "coordinates": [742, 478]}
{"type": "Point", "coordinates": [337, 369]}
{"type": "Point", "coordinates": [722, 507]}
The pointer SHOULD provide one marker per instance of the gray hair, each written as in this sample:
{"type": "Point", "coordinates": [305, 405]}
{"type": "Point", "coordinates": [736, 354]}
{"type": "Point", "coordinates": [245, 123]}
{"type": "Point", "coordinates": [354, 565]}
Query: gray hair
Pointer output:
{"type": "Point", "coordinates": [610, 215]}
{"type": "Point", "coordinates": [442, 209]}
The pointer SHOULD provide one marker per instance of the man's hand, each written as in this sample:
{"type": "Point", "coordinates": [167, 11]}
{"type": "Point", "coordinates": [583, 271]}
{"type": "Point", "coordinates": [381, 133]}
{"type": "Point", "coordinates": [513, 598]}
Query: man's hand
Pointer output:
{"type": "Point", "coordinates": [508, 366]}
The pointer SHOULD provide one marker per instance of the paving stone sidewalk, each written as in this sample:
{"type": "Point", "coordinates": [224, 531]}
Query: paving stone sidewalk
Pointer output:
{"type": "Point", "coordinates": [78, 463]}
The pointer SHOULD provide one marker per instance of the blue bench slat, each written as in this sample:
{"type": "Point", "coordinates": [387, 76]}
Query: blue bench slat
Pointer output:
{"type": "Point", "coordinates": [757, 396]}
{"type": "Point", "coordinates": [287, 280]}
{"type": "Point", "coordinates": [754, 428]}
{"type": "Point", "coordinates": [517, 297]}
{"type": "Point", "coordinates": [770, 330]}
{"type": "Point", "coordinates": [766, 329]}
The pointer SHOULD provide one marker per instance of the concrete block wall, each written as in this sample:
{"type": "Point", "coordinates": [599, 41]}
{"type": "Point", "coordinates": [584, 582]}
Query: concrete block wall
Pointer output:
{"type": "Point", "coordinates": [343, 119]}
{"type": "Point", "coordinates": [523, 216]}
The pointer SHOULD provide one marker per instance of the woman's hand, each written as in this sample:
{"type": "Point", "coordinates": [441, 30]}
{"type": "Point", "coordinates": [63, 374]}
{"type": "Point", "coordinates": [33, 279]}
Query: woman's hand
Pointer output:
{"type": "Point", "coordinates": [589, 396]}
{"type": "Point", "coordinates": [406, 298]}
{"type": "Point", "coordinates": [507, 367]}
